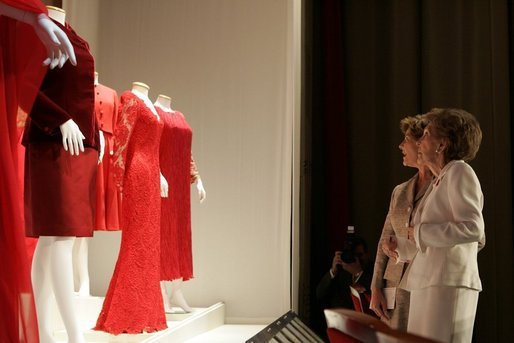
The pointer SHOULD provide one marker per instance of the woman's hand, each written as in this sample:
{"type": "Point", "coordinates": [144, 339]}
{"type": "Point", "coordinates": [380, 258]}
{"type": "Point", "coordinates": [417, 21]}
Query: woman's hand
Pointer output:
{"type": "Point", "coordinates": [389, 246]}
{"type": "Point", "coordinates": [378, 303]}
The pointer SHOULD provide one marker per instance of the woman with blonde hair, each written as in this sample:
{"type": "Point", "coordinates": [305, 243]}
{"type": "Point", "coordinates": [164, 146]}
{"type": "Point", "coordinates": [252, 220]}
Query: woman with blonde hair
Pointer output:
{"type": "Point", "coordinates": [388, 271]}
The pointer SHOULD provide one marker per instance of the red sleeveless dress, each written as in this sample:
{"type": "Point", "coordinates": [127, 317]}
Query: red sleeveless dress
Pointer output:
{"type": "Point", "coordinates": [133, 303]}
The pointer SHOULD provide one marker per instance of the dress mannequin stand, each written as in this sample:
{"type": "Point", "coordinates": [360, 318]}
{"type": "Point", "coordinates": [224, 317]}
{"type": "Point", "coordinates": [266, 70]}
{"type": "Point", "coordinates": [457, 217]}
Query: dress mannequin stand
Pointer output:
{"type": "Point", "coordinates": [173, 295]}
{"type": "Point", "coordinates": [133, 301]}
{"type": "Point", "coordinates": [52, 269]}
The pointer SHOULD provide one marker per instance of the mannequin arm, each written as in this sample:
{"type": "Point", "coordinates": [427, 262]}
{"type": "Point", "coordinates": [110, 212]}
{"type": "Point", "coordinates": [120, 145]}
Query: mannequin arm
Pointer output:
{"type": "Point", "coordinates": [102, 146]}
{"type": "Point", "coordinates": [164, 187]}
{"type": "Point", "coordinates": [72, 137]}
{"type": "Point", "coordinates": [57, 44]}
{"type": "Point", "coordinates": [201, 191]}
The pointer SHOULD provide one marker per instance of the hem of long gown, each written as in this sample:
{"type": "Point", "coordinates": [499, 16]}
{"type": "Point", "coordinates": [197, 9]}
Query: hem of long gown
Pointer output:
{"type": "Point", "coordinates": [132, 331]}
{"type": "Point", "coordinates": [171, 278]}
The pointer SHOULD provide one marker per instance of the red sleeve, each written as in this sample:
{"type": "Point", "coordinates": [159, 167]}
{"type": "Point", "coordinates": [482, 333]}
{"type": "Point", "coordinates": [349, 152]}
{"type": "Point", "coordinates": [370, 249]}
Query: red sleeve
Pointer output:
{"type": "Point", "coordinates": [49, 115]}
{"type": "Point", "coordinates": [127, 118]}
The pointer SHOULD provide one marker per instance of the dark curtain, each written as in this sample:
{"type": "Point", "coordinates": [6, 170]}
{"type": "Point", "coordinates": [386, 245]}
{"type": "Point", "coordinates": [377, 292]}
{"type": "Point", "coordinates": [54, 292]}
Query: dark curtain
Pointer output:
{"type": "Point", "coordinates": [324, 152]}
{"type": "Point", "coordinates": [401, 58]}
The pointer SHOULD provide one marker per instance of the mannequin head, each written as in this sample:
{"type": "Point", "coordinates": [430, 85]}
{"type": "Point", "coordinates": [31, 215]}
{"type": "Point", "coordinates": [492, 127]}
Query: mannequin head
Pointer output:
{"type": "Point", "coordinates": [57, 14]}
{"type": "Point", "coordinates": [164, 102]}
{"type": "Point", "coordinates": [140, 88]}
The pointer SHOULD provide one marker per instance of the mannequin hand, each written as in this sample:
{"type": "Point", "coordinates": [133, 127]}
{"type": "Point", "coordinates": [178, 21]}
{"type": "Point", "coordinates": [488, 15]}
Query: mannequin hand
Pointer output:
{"type": "Point", "coordinates": [378, 303]}
{"type": "Point", "coordinates": [389, 246]}
{"type": "Point", "coordinates": [201, 191]}
{"type": "Point", "coordinates": [57, 44]}
{"type": "Point", "coordinates": [72, 137]}
{"type": "Point", "coordinates": [164, 187]}
{"type": "Point", "coordinates": [102, 146]}
{"type": "Point", "coordinates": [53, 38]}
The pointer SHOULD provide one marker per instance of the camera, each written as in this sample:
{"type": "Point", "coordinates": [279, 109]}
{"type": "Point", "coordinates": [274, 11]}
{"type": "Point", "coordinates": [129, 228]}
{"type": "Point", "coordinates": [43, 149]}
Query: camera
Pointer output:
{"type": "Point", "coordinates": [347, 254]}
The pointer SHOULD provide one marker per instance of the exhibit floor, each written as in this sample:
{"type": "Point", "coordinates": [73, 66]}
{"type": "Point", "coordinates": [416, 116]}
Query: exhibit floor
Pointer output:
{"type": "Point", "coordinates": [201, 325]}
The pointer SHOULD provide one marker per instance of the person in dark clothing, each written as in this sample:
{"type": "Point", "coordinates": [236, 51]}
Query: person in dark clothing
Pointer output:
{"type": "Point", "coordinates": [333, 290]}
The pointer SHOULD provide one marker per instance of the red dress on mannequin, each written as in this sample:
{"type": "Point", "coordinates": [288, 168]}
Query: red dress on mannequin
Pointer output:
{"type": "Point", "coordinates": [107, 195]}
{"type": "Point", "coordinates": [133, 303]}
{"type": "Point", "coordinates": [178, 167]}
{"type": "Point", "coordinates": [21, 72]}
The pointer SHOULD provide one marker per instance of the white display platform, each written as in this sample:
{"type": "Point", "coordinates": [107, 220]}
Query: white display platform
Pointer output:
{"type": "Point", "coordinates": [228, 334]}
{"type": "Point", "coordinates": [181, 326]}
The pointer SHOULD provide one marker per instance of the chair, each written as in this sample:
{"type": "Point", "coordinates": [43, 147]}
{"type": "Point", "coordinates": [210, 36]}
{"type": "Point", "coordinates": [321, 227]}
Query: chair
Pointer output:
{"type": "Point", "coordinates": [347, 326]}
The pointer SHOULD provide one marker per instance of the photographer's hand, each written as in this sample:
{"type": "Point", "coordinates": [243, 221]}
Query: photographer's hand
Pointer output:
{"type": "Point", "coordinates": [336, 261]}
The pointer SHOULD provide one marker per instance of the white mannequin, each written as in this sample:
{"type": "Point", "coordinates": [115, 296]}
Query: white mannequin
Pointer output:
{"type": "Point", "coordinates": [52, 269]}
{"type": "Point", "coordinates": [71, 135]}
{"type": "Point", "coordinates": [141, 89]}
{"type": "Point", "coordinates": [176, 296]}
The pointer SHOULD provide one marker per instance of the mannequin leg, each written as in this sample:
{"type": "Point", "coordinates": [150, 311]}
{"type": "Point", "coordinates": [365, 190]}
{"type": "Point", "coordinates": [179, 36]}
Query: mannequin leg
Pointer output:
{"type": "Point", "coordinates": [165, 297]}
{"type": "Point", "coordinates": [42, 285]}
{"type": "Point", "coordinates": [177, 297]}
{"type": "Point", "coordinates": [80, 265]}
{"type": "Point", "coordinates": [52, 274]}
{"type": "Point", "coordinates": [62, 277]}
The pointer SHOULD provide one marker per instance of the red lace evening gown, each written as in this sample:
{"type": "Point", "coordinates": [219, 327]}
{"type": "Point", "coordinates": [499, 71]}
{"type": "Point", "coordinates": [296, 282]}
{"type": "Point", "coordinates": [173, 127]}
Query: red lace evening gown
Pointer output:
{"type": "Point", "coordinates": [133, 303]}
{"type": "Point", "coordinates": [179, 169]}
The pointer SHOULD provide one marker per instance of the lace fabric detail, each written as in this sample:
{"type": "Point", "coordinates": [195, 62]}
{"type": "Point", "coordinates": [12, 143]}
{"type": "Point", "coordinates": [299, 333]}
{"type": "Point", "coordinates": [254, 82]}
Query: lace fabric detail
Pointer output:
{"type": "Point", "coordinates": [127, 118]}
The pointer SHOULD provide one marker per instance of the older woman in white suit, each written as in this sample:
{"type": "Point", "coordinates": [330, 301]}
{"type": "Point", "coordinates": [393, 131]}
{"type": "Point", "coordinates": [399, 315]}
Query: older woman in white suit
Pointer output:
{"type": "Point", "coordinates": [443, 275]}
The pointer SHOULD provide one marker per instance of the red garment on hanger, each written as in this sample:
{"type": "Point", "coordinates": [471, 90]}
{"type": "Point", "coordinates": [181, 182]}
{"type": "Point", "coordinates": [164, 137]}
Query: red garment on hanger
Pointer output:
{"type": "Point", "coordinates": [179, 169]}
{"type": "Point", "coordinates": [21, 72]}
{"type": "Point", "coordinates": [133, 303]}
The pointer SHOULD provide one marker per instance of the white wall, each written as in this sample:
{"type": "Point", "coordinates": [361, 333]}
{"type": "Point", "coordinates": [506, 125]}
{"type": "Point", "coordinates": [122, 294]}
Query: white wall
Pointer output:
{"type": "Point", "coordinates": [228, 66]}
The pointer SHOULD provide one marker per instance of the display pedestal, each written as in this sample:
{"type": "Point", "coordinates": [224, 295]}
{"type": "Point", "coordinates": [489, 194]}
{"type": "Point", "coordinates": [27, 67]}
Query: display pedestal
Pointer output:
{"type": "Point", "coordinates": [181, 326]}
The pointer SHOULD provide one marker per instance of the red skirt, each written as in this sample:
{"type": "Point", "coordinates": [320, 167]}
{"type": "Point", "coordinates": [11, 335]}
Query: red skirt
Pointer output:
{"type": "Point", "coordinates": [60, 191]}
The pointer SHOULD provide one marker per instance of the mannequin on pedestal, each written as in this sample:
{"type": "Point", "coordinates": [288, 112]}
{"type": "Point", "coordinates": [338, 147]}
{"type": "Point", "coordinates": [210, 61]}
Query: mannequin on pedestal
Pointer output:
{"type": "Point", "coordinates": [61, 142]}
{"type": "Point", "coordinates": [178, 166]}
{"type": "Point", "coordinates": [133, 303]}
